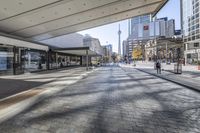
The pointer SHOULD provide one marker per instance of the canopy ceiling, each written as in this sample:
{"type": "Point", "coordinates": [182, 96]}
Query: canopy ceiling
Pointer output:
{"type": "Point", "coordinates": [43, 19]}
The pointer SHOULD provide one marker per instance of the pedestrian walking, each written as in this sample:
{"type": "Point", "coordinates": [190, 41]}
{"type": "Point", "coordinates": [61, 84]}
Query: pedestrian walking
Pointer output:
{"type": "Point", "coordinates": [158, 67]}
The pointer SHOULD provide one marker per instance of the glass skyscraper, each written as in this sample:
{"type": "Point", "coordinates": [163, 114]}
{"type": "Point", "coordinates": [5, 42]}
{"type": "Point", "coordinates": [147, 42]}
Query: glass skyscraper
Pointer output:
{"type": "Point", "coordinates": [191, 29]}
{"type": "Point", "coordinates": [135, 21]}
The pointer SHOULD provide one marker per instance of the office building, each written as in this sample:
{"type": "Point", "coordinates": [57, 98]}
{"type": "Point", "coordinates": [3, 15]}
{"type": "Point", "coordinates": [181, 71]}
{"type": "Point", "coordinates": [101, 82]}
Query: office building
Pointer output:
{"type": "Point", "coordinates": [135, 27]}
{"type": "Point", "coordinates": [108, 50]}
{"type": "Point", "coordinates": [191, 30]}
{"type": "Point", "coordinates": [161, 28]}
{"type": "Point", "coordinates": [125, 48]}
{"type": "Point", "coordinates": [136, 23]}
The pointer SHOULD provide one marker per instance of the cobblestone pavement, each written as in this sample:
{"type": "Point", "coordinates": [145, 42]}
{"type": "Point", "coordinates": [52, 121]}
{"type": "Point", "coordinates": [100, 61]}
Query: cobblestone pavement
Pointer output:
{"type": "Point", "coordinates": [113, 100]}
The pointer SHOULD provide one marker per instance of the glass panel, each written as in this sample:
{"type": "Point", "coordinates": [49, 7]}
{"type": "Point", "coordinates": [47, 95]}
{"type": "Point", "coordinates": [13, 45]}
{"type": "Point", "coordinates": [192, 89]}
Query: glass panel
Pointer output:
{"type": "Point", "coordinates": [35, 60]}
{"type": "Point", "coordinates": [6, 60]}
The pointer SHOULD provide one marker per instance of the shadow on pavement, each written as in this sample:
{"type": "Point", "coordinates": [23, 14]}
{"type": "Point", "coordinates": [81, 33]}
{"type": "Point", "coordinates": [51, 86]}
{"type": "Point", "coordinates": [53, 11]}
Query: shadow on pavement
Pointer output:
{"type": "Point", "coordinates": [13, 86]}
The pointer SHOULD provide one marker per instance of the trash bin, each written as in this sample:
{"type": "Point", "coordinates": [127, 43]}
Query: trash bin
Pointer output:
{"type": "Point", "coordinates": [178, 68]}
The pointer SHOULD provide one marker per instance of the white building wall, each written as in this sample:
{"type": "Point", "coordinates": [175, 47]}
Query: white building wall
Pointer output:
{"type": "Point", "coordinates": [170, 28]}
{"type": "Point", "coordinates": [157, 28]}
{"type": "Point", "coordinates": [152, 29]}
{"type": "Point", "coordinates": [140, 31]}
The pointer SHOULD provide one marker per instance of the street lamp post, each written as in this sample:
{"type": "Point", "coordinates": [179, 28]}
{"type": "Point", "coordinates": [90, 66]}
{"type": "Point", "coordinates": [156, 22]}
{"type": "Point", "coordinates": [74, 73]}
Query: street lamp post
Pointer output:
{"type": "Point", "coordinates": [197, 57]}
{"type": "Point", "coordinates": [160, 52]}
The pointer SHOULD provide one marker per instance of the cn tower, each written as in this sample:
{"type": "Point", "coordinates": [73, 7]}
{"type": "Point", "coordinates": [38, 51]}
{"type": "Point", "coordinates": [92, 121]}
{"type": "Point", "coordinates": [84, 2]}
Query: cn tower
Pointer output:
{"type": "Point", "coordinates": [119, 43]}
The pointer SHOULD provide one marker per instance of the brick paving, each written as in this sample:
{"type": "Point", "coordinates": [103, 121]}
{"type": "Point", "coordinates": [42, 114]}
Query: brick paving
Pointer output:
{"type": "Point", "coordinates": [113, 100]}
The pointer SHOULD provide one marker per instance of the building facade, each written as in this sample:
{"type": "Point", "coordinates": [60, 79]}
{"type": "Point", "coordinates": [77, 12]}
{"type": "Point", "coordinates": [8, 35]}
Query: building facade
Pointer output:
{"type": "Point", "coordinates": [124, 48]}
{"type": "Point", "coordinates": [94, 44]}
{"type": "Point", "coordinates": [144, 30]}
{"type": "Point", "coordinates": [136, 23]}
{"type": "Point", "coordinates": [18, 56]}
{"type": "Point", "coordinates": [136, 26]}
{"type": "Point", "coordinates": [129, 46]}
{"type": "Point", "coordinates": [148, 30]}
{"type": "Point", "coordinates": [191, 30]}
{"type": "Point", "coordinates": [108, 50]}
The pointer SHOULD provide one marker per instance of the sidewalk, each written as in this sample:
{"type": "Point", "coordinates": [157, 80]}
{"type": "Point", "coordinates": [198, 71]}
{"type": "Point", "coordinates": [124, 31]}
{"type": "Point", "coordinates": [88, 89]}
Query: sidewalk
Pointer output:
{"type": "Point", "coordinates": [188, 71]}
{"type": "Point", "coordinates": [48, 84]}
{"type": "Point", "coordinates": [190, 78]}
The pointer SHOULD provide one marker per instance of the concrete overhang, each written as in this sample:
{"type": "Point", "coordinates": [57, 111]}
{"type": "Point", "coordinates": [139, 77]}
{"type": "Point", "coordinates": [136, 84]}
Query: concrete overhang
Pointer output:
{"type": "Point", "coordinates": [43, 19]}
{"type": "Point", "coordinates": [4, 40]}
{"type": "Point", "coordinates": [79, 51]}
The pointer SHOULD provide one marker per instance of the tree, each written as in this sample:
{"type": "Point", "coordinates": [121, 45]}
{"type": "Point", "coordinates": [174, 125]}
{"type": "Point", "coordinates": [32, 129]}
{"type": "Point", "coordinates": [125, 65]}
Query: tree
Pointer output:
{"type": "Point", "coordinates": [137, 53]}
{"type": "Point", "coordinates": [106, 59]}
{"type": "Point", "coordinates": [114, 57]}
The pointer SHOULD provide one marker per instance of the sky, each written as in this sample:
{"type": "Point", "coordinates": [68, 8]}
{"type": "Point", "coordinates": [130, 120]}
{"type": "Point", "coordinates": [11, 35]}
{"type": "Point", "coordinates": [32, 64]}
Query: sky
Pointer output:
{"type": "Point", "coordinates": [108, 34]}
{"type": "Point", "coordinates": [172, 11]}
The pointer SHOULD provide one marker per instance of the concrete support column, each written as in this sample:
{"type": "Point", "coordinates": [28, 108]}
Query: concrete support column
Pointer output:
{"type": "Point", "coordinates": [81, 60]}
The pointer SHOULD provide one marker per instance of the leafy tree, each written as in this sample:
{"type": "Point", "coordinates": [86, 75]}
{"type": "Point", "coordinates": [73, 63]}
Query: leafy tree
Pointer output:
{"type": "Point", "coordinates": [137, 53]}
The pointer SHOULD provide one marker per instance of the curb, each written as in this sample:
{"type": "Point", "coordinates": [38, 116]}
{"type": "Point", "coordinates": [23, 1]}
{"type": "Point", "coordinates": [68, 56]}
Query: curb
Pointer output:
{"type": "Point", "coordinates": [194, 88]}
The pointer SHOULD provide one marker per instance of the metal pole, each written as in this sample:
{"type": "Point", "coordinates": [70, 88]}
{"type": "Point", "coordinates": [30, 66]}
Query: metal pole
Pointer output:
{"type": "Point", "coordinates": [155, 40]}
{"type": "Point", "coordinates": [56, 60]}
{"type": "Point", "coordinates": [197, 55]}
{"type": "Point", "coordinates": [87, 60]}
{"type": "Point", "coordinates": [14, 60]}
{"type": "Point", "coordinates": [166, 54]}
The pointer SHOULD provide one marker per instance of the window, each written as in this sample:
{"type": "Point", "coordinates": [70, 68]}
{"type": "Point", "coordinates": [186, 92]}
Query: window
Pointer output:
{"type": "Point", "coordinates": [197, 4]}
{"type": "Point", "coordinates": [197, 10]}
{"type": "Point", "coordinates": [197, 26]}
{"type": "Point", "coordinates": [197, 36]}
{"type": "Point", "coordinates": [196, 44]}
{"type": "Point", "coordinates": [146, 27]}
{"type": "Point", "coordinates": [185, 40]}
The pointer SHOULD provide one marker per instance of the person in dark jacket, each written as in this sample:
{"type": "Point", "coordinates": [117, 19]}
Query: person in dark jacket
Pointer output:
{"type": "Point", "coordinates": [158, 67]}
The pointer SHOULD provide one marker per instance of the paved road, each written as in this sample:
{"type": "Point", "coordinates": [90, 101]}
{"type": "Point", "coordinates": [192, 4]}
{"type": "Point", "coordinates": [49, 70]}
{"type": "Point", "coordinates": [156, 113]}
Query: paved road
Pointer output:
{"type": "Point", "coordinates": [113, 100]}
